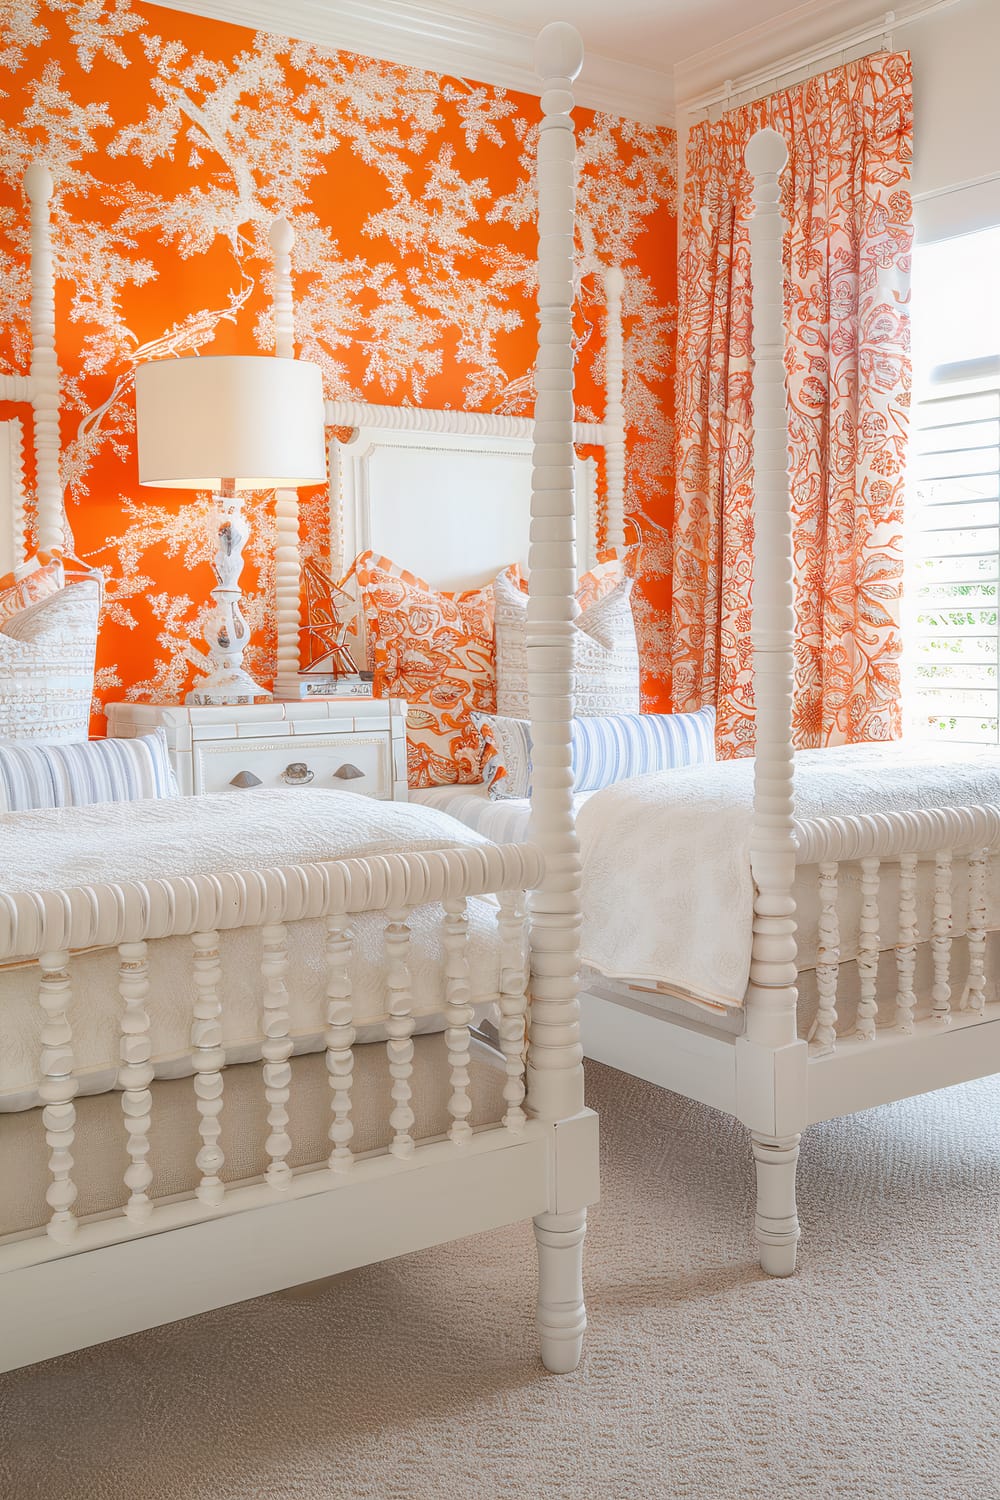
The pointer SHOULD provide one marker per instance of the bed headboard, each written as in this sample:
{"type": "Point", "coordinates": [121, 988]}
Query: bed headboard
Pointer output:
{"type": "Point", "coordinates": [446, 494]}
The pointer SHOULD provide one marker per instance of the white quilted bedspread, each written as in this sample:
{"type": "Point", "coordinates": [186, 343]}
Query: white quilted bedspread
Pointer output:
{"type": "Point", "coordinates": [667, 889]}
{"type": "Point", "coordinates": [203, 835]}
{"type": "Point", "coordinates": [185, 836]}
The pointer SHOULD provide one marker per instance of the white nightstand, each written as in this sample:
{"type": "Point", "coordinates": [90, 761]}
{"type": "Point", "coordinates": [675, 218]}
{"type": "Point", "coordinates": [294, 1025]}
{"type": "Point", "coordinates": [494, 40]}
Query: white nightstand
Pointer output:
{"type": "Point", "coordinates": [350, 744]}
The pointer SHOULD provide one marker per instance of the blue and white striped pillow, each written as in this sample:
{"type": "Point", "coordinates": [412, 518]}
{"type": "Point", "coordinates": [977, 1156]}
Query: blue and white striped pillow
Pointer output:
{"type": "Point", "coordinates": [605, 749]}
{"type": "Point", "coordinates": [74, 775]}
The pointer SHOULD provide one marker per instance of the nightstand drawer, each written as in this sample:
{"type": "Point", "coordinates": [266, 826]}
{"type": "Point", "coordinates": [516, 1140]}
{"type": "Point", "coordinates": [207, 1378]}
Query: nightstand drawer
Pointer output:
{"type": "Point", "coordinates": [342, 762]}
{"type": "Point", "coordinates": [349, 744]}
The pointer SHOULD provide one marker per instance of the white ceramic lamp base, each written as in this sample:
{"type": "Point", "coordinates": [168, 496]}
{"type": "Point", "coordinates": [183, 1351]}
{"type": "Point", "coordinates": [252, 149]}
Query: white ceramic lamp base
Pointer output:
{"type": "Point", "coordinates": [226, 681]}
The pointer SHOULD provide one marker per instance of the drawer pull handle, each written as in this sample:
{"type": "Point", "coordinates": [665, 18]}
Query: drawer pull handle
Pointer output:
{"type": "Point", "coordinates": [347, 772]}
{"type": "Point", "coordinates": [245, 778]}
{"type": "Point", "coordinates": [297, 774]}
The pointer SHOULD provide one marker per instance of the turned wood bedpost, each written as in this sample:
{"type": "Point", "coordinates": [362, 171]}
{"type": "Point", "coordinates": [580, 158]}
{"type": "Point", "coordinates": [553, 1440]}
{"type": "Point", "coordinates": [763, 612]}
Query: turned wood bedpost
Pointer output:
{"type": "Point", "coordinates": [49, 515]}
{"type": "Point", "coordinates": [12, 456]}
{"type": "Point", "coordinates": [555, 1057]}
{"type": "Point", "coordinates": [614, 408]}
{"type": "Point", "coordinates": [772, 995]}
{"type": "Point", "coordinates": [288, 564]}
{"type": "Point", "coordinates": [772, 1060]}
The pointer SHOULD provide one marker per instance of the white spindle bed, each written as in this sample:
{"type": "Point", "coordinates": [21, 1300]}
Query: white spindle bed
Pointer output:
{"type": "Point", "coordinates": [883, 988]}
{"type": "Point", "coordinates": [157, 1251]}
{"type": "Point", "coordinates": [919, 1009]}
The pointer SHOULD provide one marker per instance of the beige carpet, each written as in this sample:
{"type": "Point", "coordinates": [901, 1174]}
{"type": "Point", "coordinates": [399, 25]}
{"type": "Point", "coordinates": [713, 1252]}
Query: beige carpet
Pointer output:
{"type": "Point", "coordinates": [875, 1373]}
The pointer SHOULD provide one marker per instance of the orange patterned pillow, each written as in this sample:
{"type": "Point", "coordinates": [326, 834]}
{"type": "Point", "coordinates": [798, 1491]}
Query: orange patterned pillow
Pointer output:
{"type": "Point", "coordinates": [604, 577]}
{"type": "Point", "coordinates": [436, 651]}
{"type": "Point", "coordinates": [610, 569]}
{"type": "Point", "coordinates": [19, 589]}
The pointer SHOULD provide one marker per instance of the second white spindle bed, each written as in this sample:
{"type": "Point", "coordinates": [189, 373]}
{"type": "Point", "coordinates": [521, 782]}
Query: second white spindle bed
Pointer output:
{"type": "Point", "coordinates": [870, 963]}
{"type": "Point", "coordinates": [132, 1200]}
{"type": "Point", "coordinates": [871, 976]}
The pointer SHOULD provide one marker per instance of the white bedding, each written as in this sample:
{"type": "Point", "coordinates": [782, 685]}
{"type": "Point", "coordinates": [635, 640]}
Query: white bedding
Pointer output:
{"type": "Point", "coordinates": [143, 840]}
{"type": "Point", "coordinates": [504, 821]}
{"type": "Point", "coordinates": [60, 847]}
{"type": "Point", "coordinates": [667, 890]}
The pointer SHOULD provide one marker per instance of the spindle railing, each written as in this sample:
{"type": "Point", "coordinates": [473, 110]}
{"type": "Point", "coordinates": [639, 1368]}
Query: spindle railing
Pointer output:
{"type": "Point", "coordinates": [139, 917]}
{"type": "Point", "coordinates": [939, 859]}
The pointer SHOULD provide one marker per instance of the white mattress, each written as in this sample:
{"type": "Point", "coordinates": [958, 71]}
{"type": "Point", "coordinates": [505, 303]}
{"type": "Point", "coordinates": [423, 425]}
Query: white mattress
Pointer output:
{"type": "Point", "coordinates": [505, 821]}
{"type": "Point", "coordinates": [58, 848]}
{"type": "Point", "coordinates": [101, 1159]}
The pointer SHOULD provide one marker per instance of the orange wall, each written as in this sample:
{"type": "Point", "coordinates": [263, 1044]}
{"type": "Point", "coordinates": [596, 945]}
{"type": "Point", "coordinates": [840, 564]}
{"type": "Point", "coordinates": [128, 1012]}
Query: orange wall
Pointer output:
{"type": "Point", "coordinates": [175, 141]}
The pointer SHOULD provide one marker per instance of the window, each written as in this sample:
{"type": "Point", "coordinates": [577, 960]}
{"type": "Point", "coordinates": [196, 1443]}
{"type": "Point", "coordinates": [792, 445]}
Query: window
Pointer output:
{"type": "Point", "coordinates": [952, 596]}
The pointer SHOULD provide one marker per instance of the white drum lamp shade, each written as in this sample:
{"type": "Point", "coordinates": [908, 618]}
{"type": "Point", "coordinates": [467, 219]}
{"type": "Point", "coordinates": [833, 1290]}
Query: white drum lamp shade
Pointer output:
{"type": "Point", "coordinates": [229, 423]}
{"type": "Point", "coordinates": [254, 419]}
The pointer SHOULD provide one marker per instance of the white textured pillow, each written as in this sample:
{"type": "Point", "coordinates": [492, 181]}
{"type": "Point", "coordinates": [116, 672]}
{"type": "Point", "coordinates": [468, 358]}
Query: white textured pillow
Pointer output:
{"type": "Point", "coordinates": [76, 775]}
{"type": "Point", "coordinates": [605, 654]}
{"type": "Point", "coordinates": [47, 666]}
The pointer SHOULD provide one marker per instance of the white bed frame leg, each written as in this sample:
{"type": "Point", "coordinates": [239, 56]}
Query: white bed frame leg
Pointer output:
{"type": "Point", "coordinates": [562, 1316]}
{"type": "Point", "coordinates": [777, 1219]}
{"type": "Point", "coordinates": [555, 1057]}
{"type": "Point", "coordinates": [771, 1060]}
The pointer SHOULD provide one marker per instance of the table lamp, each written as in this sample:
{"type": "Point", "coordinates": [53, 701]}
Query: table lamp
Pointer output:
{"type": "Point", "coordinates": [229, 423]}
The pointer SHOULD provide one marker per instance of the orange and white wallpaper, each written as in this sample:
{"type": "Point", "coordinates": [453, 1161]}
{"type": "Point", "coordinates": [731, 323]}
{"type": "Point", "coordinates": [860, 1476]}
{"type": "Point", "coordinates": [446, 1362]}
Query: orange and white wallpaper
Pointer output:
{"type": "Point", "coordinates": [175, 141]}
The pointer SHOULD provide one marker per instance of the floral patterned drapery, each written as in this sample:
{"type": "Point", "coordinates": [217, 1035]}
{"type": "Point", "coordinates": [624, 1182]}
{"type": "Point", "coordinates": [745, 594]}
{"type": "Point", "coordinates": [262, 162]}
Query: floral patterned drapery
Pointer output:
{"type": "Point", "coordinates": [846, 200]}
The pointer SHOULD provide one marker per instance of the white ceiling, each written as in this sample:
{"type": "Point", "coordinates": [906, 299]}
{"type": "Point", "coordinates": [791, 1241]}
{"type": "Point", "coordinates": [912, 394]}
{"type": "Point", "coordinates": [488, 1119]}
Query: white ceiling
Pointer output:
{"type": "Point", "coordinates": [648, 33]}
{"type": "Point", "coordinates": [641, 56]}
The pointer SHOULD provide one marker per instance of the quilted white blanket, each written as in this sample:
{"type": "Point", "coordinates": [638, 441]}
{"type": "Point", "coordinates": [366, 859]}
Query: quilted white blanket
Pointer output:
{"type": "Point", "coordinates": [204, 835]}
{"type": "Point", "coordinates": [667, 889]}
{"type": "Point", "coordinates": [198, 835]}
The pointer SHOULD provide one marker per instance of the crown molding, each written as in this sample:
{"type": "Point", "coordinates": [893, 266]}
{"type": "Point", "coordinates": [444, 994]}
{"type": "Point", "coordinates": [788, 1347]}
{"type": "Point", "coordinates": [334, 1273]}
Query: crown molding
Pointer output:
{"type": "Point", "coordinates": [799, 38]}
{"type": "Point", "coordinates": [429, 34]}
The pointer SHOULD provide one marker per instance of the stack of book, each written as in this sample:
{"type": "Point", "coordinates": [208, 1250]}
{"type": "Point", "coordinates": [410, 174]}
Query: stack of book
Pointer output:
{"type": "Point", "coordinates": [330, 685]}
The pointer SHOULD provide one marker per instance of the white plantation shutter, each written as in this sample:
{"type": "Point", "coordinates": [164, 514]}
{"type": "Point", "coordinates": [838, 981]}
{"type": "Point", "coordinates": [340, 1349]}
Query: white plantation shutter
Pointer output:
{"type": "Point", "coordinates": [953, 569]}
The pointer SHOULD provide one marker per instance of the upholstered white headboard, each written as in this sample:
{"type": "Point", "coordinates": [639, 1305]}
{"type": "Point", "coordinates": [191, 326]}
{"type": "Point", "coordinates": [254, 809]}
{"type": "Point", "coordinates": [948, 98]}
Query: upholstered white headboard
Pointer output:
{"type": "Point", "coordinates": [444, 494]}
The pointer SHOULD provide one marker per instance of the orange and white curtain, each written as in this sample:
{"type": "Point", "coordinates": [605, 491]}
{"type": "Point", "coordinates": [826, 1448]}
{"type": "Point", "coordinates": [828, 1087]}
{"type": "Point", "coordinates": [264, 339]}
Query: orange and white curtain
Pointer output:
{"type": "Point", "coordinates": [846, 201]}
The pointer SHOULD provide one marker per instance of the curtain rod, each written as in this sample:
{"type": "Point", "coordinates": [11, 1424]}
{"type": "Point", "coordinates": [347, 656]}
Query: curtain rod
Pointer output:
{"type": "Point", "coordinates": [810, 57]}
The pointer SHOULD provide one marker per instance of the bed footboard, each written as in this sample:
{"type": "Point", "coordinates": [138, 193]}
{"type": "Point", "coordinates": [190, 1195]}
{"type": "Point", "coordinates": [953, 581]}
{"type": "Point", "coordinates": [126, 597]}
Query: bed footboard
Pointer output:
{"type": "Point", "coordinates": [906, 904]}
{"type": "Point", "coordinates": [942, 860]}
{"type": "Point", "coordinates": [48, 926]}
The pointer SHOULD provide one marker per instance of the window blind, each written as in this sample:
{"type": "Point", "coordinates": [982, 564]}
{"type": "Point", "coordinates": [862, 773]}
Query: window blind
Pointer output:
{"type": "Point", "coordinates": [953, 573]}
